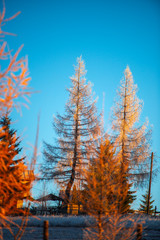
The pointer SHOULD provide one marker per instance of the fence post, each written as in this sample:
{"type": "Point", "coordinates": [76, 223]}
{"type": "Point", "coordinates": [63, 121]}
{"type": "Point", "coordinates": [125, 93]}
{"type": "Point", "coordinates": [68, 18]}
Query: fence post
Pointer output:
{"type": "Point", "coordinates": [139, 231]}
{"type": "Point", "coordinates": [45, 231]}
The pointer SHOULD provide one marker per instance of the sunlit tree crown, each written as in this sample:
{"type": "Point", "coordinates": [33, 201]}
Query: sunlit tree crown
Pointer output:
{"type": "Point", "coordinates": [132, 139]}
{"type": "Point", "coordinates": [75, 129]}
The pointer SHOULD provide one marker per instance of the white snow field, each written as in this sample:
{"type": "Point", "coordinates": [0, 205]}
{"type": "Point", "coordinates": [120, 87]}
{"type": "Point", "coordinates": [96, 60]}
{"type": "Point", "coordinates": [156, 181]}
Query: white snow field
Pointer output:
{"type": "Point", "coordinates": [74, 227]}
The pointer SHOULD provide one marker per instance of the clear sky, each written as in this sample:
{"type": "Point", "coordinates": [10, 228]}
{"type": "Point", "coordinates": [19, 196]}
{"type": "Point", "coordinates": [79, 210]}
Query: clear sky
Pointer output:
{"type": "Point", "coordinates": [109, 35]}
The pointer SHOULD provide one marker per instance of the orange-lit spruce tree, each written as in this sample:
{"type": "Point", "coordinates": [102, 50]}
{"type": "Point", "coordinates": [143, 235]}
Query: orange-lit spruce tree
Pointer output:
{"type": "Point", "coordinates": [13, 185]}
{"type": "Point", "coordinates": [65, 160]}
{"type": "Point", "coordinates": [132, 140]}
{"type": "Point", "coordinates": [144, 202]}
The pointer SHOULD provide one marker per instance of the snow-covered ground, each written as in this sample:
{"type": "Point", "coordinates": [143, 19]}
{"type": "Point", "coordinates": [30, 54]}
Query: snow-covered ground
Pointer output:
{"type": "Point", "coordinates": [73, 227]}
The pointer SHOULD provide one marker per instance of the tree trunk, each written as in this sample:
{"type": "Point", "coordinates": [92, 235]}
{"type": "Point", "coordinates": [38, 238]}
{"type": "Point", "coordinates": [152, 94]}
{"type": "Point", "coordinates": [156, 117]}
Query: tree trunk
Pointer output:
{"type": "Point", "coordinates": [71, 180]}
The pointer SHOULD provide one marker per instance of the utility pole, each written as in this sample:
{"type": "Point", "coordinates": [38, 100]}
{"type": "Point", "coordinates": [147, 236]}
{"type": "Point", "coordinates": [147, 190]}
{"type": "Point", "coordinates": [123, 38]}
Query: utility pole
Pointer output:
{"type": "Point", "coordinates": [150, 180]}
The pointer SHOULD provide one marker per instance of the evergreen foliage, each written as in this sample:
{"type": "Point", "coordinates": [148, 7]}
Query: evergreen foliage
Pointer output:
{"type": "Point", "coordinates": [12, 169]}
{"type": "Point", "coordinates": [9, 137]}
{"type": "Point", "coordinates": [144, 202]}
{"type": "Point", "coordinates": [127, 200]}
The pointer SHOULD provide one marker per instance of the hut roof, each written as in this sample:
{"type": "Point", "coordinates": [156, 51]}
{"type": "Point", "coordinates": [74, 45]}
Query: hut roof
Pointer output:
{"type": "Point", "coordinates": [50, 197]}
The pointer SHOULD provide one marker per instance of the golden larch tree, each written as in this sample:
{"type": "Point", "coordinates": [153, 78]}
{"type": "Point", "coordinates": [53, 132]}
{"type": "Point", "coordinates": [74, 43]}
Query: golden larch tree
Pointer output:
{"type": "Point", "coordinates": [132, 140]}
{"type": "Point", "coordinates": [102, 194]}
{"type": "Point", "coordinates": [66, 159]}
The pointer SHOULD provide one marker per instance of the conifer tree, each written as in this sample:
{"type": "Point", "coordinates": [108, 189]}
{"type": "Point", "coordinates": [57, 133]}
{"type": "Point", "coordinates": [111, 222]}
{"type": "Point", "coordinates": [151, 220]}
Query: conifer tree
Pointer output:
{"type": "Point", "coordinates": [144, 202]}
{"type": "Point", "coordinates": [101, 194]}
{"type": "Point", "coordinates": [66, 159]}
{"type": "Point", "coordinates": [14, 79]}
{"type": "Point", "coordinates": [132, 141]}
{"type": "Point", "coordinates": [101, 179]}
{"type": "Point", "coordinates": [12, 169]}
{"type": "Point", "coordinates": [14, 84]}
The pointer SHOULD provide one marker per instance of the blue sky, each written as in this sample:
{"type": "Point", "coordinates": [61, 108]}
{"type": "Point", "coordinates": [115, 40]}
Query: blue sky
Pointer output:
{"type": "Point", "coordinates": [109, 35]}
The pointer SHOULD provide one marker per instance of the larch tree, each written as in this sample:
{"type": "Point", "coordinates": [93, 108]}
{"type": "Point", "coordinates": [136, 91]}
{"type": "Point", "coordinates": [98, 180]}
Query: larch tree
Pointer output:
{"type": "Point", "coordinates": [132, 140]}
{"type": "Point", "coordinates": [101, 194]}
{"type": "Point", "coordinates": [98, 196]}
{"type": "Point", "coordinates": [75, 129]}
{"type": "Point", "coordinates": [14, 75]}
